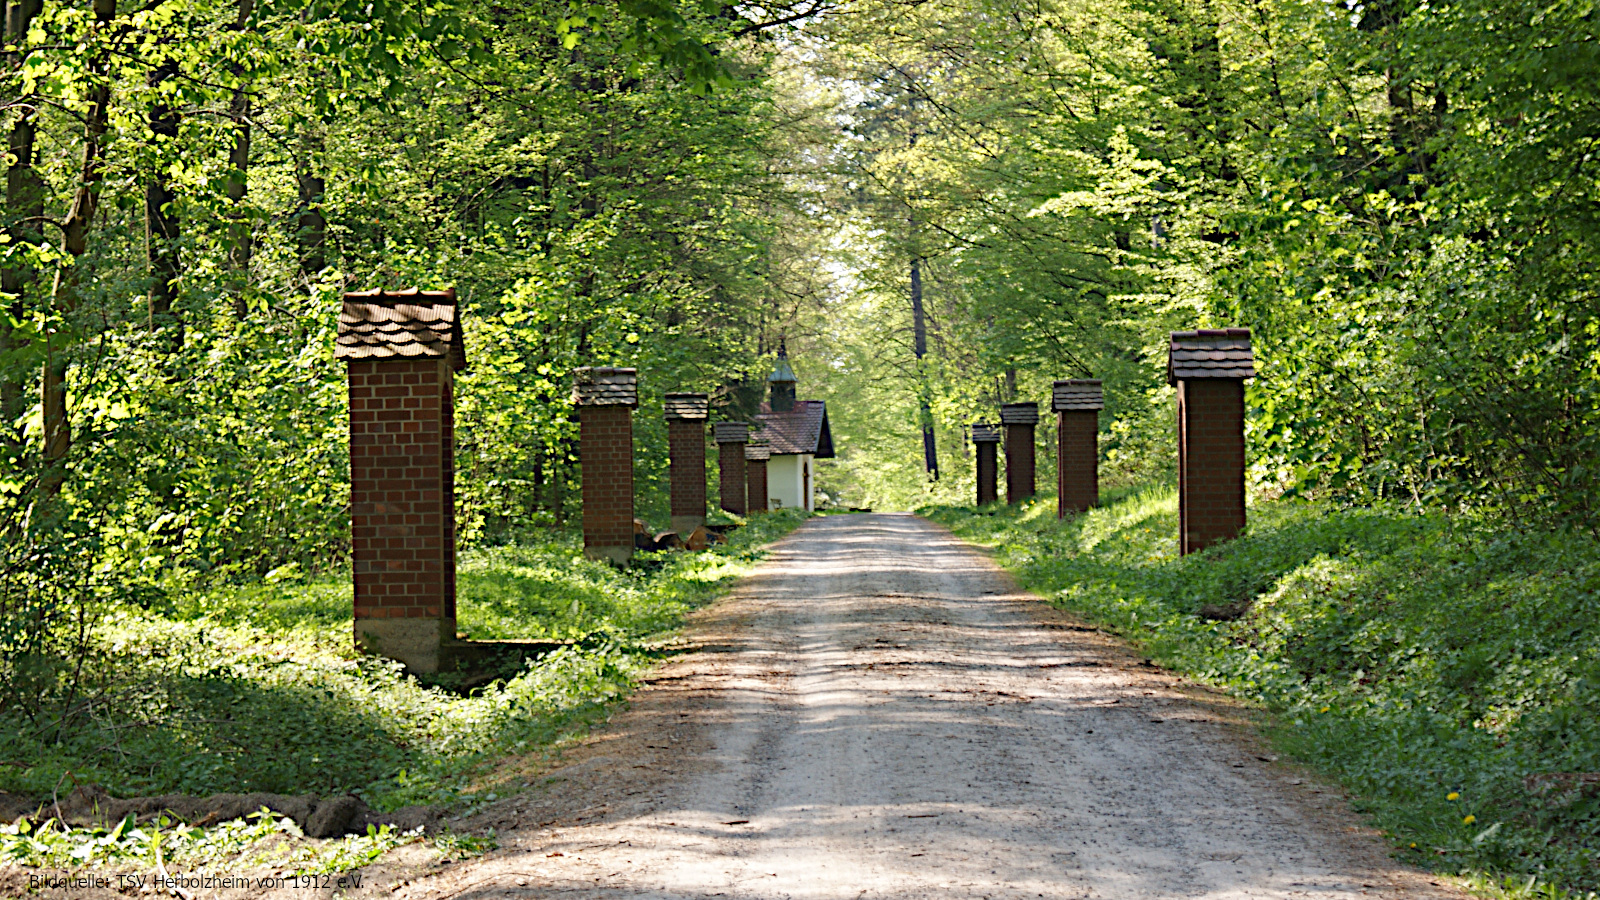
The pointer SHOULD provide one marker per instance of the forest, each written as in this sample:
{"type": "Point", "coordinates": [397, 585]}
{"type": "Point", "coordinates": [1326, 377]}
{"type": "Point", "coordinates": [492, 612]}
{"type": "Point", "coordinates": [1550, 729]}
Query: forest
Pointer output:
{"type": "Point", "coordinates": [935, 207]}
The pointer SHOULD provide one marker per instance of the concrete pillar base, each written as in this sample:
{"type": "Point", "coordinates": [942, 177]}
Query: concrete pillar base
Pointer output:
{"type": "Point", "coordinates": [619, 555]}
{"type": "Point", "coordinates": [417, 643]}
{"type": "Point", "coordinates": [683, 525]}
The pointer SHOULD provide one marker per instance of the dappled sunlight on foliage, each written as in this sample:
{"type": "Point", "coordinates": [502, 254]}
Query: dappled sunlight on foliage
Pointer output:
{"type": "Point", "coordinates": [1445, 670]}
{"type": "Point", "coordinates": [258, 689]}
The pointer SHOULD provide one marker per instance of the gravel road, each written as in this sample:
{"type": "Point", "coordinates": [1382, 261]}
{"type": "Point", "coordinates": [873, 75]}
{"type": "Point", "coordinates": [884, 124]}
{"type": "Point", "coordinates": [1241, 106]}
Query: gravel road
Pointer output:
{"type": "Point", "coordinates": [878, 712]}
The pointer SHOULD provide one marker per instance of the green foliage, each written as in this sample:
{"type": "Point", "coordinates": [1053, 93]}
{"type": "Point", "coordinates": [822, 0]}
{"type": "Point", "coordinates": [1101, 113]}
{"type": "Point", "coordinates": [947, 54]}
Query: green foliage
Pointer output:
{"type": "Point", "coordinates": [587, 204]}
{"type": "Point", "coordinates": [1442, 669]}
{"type": "Point", "coordinates": [1393, 198]}
{"type": "Point", "coordinates": [258, 840]}
{"type": "Point", "coordinates": [257, 689]}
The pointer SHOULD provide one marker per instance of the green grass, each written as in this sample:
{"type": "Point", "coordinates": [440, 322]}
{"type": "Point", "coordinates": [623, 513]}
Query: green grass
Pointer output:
{"type": "Point", "coordinates": [1432, 665]}
{"type": "Point", "coordinates": [257, 688]}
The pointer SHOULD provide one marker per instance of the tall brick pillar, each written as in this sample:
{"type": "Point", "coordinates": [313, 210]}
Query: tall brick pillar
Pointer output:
{"type": "Point", "coordinates": [686, 449]}
{"type": "Point", "coordinates": [1209, 368]}
{"type": "Point", "coordinates": [731, 440]}
{"type": "Point", "coordinates": [986, 441]}
{"type": "Point", "coordinates": [1077, 404]}
{"type": "Point", "coordinates": [402, 350]}
{"type": "Point", "coordinates": [755, 477]}
{"type": "Point", "coordinates": [605, 398]}
{"type": "Point", "coordinates": [1019, 419]}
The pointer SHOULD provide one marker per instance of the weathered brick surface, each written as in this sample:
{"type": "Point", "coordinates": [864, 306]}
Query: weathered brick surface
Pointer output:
{"type": "Point", "coordinates": [988, 471]}
{"type": "Point", "coordinates": [755, 474]}
{"type": "Point", "coordinates": [731, 483]}
{"type": "Point", "coordinates": [1077, 461]}
{"type": "Point", "coordinates": [1211, 461]}
{"type": "Point", "coordinates": [1019, 463]}
{"type": "Point", "coordinates": [402, 488]}
{"type": "Point", "coordinates": [605, 453]}
{"type": "Point", "coordinates": [686, 450]}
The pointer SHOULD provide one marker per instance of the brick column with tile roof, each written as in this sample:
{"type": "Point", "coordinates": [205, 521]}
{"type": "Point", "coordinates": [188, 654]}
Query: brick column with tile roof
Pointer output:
{"type": "Point", "coordinates": [1019, 420]}
{"type": "Point", "coordinates": [402, 349]}
{"type": "Point", "coordinates": [986, 443]}
{"type": "Point", "coordinates": [755, 477]}
{"type": "Point", "coordinates": [686, 449]}
{"type": "Point", "coordinates": [605, 398]}
{"type": "Point", "coordinates": [1209, 368]}
{"type": "Point", "coordinates": [1077, 404]}
{"type": "Point", "coordinates": [731, 440]}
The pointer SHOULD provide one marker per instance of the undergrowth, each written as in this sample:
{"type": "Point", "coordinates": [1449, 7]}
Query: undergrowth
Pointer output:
{"type": "Point", "coordinates": [257, 688]}
{"type": "Point", "coordinates": [1445, 671]}
{"type": "Point", "coordinates": [258, 840]}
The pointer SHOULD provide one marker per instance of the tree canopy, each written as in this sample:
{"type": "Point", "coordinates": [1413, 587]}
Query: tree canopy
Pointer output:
{"type": "Point", "coordinates": [936, 206]}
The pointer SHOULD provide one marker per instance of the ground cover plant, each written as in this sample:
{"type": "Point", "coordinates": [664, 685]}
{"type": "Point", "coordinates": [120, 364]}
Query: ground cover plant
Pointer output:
{"type": "Point", "coordinates": [1446, 670]}
{"type": "Point", "coordinates": [257, 687]}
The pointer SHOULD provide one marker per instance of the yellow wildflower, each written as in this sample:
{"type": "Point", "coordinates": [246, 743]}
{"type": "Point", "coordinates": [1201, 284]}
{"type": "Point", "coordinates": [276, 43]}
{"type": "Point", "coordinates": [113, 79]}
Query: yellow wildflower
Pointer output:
{"type": "Point", "coordinates": [1469, 820]}
{"type": "Point", "coordinates": [1452, 796]}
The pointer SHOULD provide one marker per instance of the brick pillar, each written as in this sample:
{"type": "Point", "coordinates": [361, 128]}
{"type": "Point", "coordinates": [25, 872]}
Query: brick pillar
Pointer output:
{"type": "Point", "coordinates": [1077, 404]}
{"type": "Point", "coordinates": [402, 350]}
{"type": "Point", "coordinates": [1209, 367]}
{"type": "Point", "coordinates": [1019, 419]}
{"type": "Point", "coordinates": [731, 440]}
{"type": "Point", "coordinates": [605, 398]}
{"type": "Point", "coordinates": [755, 476]}
{"type": "Point", "coordinates": [686, 448]}
{"type": "Point", "coordinates": [986, 441]}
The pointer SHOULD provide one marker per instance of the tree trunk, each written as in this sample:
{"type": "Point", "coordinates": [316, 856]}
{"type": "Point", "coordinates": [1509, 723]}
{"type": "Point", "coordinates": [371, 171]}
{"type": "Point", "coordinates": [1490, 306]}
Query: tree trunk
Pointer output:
{"type": "Point", "coordinates": [75, 242]}
{"type": "Point", "coordinates": [24, 207]}
{"type": "Point", "coordinates": [161, 222]}
{"type": "Point", "coordinates": [312, 233]}
{"type": "Point", "coordinates": [240, 232]}
{"type": "Point", "coordinates": [919, 326]}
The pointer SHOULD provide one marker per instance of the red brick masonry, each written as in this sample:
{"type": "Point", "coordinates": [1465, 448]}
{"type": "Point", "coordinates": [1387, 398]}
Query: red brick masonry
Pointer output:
{"type": "Point", "coordinates": [755, 473]}
{"type": "Point", "coordinates": [1019, 420]}
{"type": "Point", "coordinates": [986, 442]}
{"type": "Point", "coordinates": [1208, 367]}
{"type": "Point", "coordinates": [686, 448]}
{"type": "Point", "coordinates": [402, 485]}
{"type": "Point", "coordinates": [1210, 461]}
{"type": "Point", "coordinates": [731, 486]}
{"type": "Point", "coordinates": [1019, 463]}
{"type": "Point", "coordinates": [988, 473]}
{"type": "Point", "coordinates": [605, 438]}
{"type": "Point", "coordinates": [1077, 461]}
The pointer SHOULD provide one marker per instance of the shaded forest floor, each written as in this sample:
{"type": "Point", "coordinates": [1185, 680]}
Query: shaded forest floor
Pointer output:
{"type": "Point", "coordinates": [1445, 671]}
{"type": "Point", "coordinates": [256, 688]}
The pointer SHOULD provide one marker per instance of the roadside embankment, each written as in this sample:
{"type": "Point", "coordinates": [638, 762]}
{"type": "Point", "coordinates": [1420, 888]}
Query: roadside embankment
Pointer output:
{"type": "Point", "coordinates": [1446, 671]}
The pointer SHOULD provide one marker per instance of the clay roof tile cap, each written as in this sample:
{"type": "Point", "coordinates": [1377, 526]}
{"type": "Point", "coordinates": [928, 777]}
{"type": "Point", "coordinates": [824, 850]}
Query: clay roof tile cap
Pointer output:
{"type": "Point", "coordinates": [1210, 353]}
{"type": "Point", "coordinates": [408, 324]}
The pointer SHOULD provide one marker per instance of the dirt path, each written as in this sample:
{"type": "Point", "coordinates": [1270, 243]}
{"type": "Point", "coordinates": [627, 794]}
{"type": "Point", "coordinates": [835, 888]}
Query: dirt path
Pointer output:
{"type": "Point", "coordinates": [879, 713]}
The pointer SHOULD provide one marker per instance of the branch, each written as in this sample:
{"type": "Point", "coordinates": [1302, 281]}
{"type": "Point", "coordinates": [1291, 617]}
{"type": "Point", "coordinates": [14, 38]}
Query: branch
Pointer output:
{"type": "Point", "coordinates": [817, 8]}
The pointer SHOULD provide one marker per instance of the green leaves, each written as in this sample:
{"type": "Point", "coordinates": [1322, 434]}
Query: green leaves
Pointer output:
{"type": "Point", "coordinates": [1443, 669]}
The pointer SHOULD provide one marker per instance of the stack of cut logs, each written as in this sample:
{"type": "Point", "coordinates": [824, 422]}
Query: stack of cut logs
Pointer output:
{"type": "Point", "coordinates": [644, 538]}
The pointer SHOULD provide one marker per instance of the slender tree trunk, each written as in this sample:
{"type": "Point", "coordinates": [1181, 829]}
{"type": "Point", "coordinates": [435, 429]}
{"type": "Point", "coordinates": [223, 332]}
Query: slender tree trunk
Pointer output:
{"type": "Point", "coordinates": [312, 233]}
{"type": "Point", "coordinates": [75, 242]}
{"type": "Point", "coordinates": [240, 231]}
{"type": "Point", "coordinates": [161, 222]}
{"type": "Point", "coordinates": [24, 202]}
{"type": "Point", "coordinates": [919, 326]}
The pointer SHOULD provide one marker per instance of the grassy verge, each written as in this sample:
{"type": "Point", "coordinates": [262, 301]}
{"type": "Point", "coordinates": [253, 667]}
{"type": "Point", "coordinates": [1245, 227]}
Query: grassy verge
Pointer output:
{"type": "Point", "coordinates": [257, 688]}
{"type": "Point", "coordinates": [1446, 672]}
